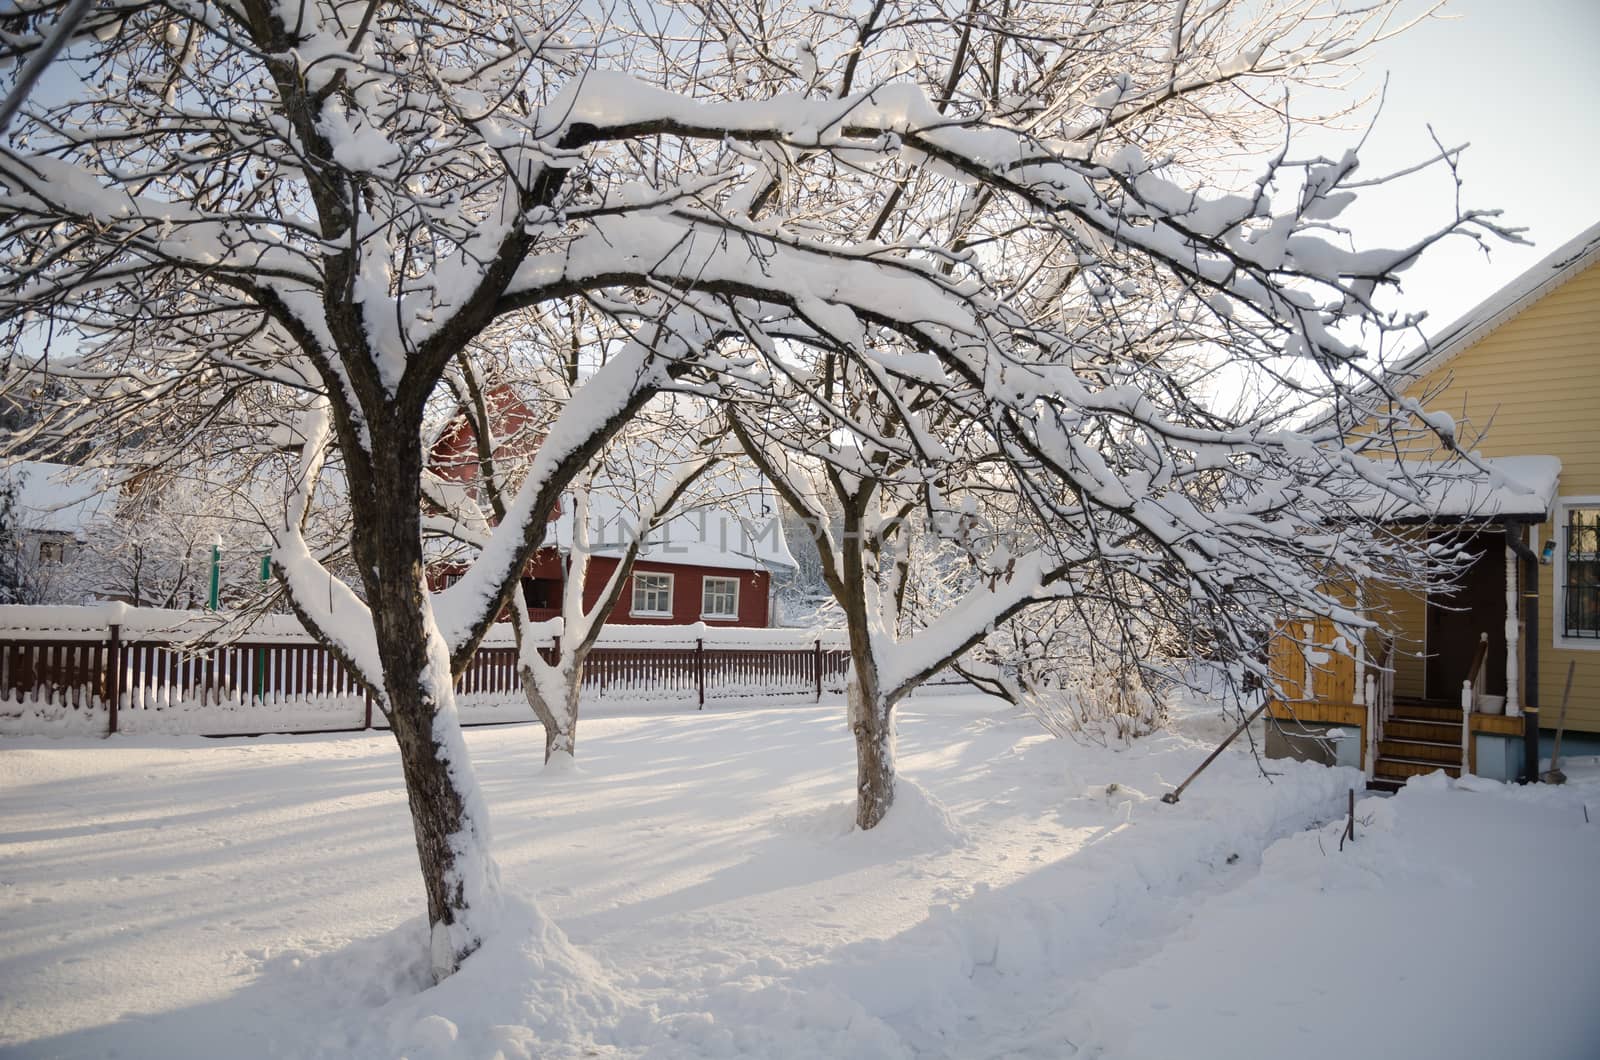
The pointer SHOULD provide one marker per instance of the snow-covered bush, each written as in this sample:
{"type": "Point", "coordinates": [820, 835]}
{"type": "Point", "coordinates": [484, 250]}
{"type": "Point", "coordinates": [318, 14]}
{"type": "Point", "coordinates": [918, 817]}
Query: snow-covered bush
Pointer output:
{"type": "Point", "coordinates": [1082, 671]}
{"type": "Point", "coordinates": [1099, 707]}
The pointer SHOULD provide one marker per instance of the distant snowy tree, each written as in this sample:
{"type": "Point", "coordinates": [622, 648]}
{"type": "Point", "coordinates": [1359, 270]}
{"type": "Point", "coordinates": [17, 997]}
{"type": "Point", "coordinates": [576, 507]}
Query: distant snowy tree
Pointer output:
{"type": "Point", "coordinates": [277, 226]}
{"type": "Point", "coordinates": [642, 476]}
{"type": "Point", "coordinates": [155, 550]}
{"type": "Point", "coordinates": [14, 588]}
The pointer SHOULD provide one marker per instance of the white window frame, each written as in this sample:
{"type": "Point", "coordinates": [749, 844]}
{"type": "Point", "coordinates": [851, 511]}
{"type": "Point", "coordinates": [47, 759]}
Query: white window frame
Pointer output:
{"type": "Point", "coordinates": [719, 615]}
{"type": "Point", "coordinates": [633, 596]}
{"type": "Point", "coordinates": [1558, 576]}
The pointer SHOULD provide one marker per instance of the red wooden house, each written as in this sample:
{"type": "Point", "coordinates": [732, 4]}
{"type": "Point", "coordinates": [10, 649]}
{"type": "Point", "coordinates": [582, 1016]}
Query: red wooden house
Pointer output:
{"type": "Point", "coordinates": [707, 565]}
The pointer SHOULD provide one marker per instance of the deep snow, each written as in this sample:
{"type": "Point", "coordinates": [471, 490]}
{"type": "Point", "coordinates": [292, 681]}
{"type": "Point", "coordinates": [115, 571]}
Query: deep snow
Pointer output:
{"type": "Point", "coordinates": [692, 887]}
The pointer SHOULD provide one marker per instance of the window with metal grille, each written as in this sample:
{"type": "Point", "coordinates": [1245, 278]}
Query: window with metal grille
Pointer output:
{"type": "Point", "coordinates": [1581, 573]}
{"type": "Point", "coordinates": [652, 594]}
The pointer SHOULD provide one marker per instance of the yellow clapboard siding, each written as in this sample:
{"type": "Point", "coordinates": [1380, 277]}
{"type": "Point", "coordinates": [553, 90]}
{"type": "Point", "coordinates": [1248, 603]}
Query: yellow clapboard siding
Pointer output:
{"type": "Point", "coordinates": [1309, 647]}
{"type": "Point", "coordinates": [1403, 614]}
{"type": "Point", "coordinates": [1534, 383]}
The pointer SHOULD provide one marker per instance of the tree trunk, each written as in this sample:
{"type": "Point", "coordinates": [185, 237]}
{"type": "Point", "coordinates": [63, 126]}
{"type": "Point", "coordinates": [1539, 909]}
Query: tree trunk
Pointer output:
{"type": "Point", "coordinates": [871, 724]}
{"type": "Point", "coordinates": [557, 708]}
{"type": "Point", "coordinates": [447, 811]}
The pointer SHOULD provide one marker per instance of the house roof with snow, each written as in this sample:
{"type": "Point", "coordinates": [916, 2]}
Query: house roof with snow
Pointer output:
{"type": "Point", "coordinates": [1510, 487]}
{"type": "Point", "coordinates": [704, 536]}
{"type": "Point", "coordinates": [1523, 485]}
{"type": "Point", "coordinates": [1555, 269]}
{"type": "Point", "coordinates": [725, 532]}
{"type": "Point", "coordinates": [58, 498]}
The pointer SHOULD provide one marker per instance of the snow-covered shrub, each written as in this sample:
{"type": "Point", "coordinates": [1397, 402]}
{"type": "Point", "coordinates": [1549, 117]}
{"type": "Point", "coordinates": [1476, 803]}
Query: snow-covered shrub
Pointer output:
{"type": "Point", "coordinates": [1080, 670]}
{"type": "Point", "coordinates": [1102, 707]}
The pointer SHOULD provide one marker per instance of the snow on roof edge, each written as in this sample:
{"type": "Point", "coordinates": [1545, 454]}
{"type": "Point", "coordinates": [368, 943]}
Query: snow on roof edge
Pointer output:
{"type": "Point", "coordinates": [60, 498]}
{"type": "Point", "coordinates": [1522, 486]}
{"type": "Point", "coordinates": [1548, 274]}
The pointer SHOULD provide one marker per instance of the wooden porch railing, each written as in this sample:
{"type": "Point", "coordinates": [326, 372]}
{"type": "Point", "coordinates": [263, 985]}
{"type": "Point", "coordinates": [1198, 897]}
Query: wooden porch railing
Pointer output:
{"type": "Point", "coordinates": [1323, 672]}
{"type": "Point", "coordinates": [1380, 702]}
{"type": "Point", "coordinates": [1472, 695]}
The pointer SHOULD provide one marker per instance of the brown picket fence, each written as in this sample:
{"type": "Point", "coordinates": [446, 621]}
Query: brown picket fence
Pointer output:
{"type": "Point", "coordinates": [253, 680]}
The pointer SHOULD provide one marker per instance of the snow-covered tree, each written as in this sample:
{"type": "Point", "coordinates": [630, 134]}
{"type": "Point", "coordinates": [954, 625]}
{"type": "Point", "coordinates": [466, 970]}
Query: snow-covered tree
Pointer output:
{"type": "Point", "coordinates": [14, 587]}
{"type": "Point", "coordinates": [290, 218]}
{"type": "Point", "coordinates": [553, 684]}
{"type": "Point", "coordinates": [155, 550]}
{"type": "Point", "coordinates": [639, 479]}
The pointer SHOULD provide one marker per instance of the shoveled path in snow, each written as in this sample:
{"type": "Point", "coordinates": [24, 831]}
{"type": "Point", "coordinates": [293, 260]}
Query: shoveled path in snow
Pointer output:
{"type": "Point", "coordinates": [259, 898]}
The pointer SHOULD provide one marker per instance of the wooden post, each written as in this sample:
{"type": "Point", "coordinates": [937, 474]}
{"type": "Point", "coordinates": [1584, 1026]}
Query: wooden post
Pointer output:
{"type": "Point", "coordinates": [114, 682]}
{"type": "Point", "coordinates": [367, 692]}
{"type": "Point", "coordinates": [1513, 629]}
{"type": "Point", "coordinates": [700, 670]}
{"type": "Point", "coordinates": [817, 659]}
{"type": "Point", "coordinates": [1350, 823]}
{"type": "Point", "coordinates": [1369, 742]}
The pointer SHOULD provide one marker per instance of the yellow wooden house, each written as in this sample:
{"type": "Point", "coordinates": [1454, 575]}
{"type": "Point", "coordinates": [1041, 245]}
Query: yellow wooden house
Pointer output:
{"type": "Point", "coordinates": [1465, 676]}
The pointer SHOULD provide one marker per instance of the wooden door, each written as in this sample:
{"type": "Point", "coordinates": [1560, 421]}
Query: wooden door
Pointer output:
{"type": "Point", "coordinates": [1458, 616]}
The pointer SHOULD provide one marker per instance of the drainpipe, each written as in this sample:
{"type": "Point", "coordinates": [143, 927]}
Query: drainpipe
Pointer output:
{"type": "Point", "coordinates": [1530, 613]}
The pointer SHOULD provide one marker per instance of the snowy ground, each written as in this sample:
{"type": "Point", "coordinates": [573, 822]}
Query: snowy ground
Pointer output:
{"type": "Point", "coordinates": [1028, 897]}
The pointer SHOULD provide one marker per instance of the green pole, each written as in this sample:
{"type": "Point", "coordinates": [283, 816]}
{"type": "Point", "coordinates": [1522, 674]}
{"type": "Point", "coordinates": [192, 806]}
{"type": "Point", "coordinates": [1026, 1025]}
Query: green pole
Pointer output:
{"type": "Point", "coordinates": [216, 573]}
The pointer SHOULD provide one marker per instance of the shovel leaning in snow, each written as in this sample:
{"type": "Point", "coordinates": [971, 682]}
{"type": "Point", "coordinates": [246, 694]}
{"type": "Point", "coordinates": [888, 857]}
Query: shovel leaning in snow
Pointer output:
{"type": "Point", "coordinates": [1553, 775]}
{"type": "Point", "coordinates": [1171, 797]}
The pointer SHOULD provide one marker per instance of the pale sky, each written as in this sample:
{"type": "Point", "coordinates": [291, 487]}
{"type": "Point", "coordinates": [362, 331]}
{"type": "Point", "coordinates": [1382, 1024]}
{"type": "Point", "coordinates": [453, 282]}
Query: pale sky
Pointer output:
{"type": "Point", "coordinates": [1520, 81]}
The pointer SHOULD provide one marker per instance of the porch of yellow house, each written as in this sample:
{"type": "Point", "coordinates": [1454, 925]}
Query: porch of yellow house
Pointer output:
{"type": "Point", "coordinates": [1332, 700]}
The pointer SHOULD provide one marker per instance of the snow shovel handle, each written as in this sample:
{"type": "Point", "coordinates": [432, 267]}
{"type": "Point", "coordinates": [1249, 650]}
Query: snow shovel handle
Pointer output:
{"type": "Point", "coordinates": [1171, 797]}
{"type": "Point", "coordinates": [1561, 722]}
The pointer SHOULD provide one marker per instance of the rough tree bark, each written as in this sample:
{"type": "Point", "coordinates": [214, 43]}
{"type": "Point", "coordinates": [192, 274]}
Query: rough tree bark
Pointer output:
{"type": "Point", "coordinates": [870, 709]}
{"type": "Point", "coordinates": [872, 725]}
{"type": "Point", "coordinates": [448, 817]}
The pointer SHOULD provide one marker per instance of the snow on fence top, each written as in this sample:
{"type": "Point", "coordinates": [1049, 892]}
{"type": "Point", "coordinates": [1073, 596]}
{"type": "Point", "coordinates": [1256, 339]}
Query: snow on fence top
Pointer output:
{"type": "Point", "coordinates": [91, 623]}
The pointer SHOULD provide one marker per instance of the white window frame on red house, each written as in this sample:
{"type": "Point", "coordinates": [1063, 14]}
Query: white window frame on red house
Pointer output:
{"type": "Point", "coordinates": [640, 590]}
{"type": "Point", "coordinates": [705, 592]}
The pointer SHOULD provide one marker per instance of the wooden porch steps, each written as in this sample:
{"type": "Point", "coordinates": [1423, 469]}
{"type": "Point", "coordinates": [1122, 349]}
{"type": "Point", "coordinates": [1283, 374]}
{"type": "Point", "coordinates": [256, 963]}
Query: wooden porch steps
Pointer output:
{"type": "Point", "coordinates": [1443, 754]}
{"type": "Point", "coordinates": [1419, 738]}
{"type": "Point", "coordinates": [1443, 714]}
{"type": "Point", "coordinates": [1400, 728]}
{"type": "Point", "coordinates": [1403, 768]}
